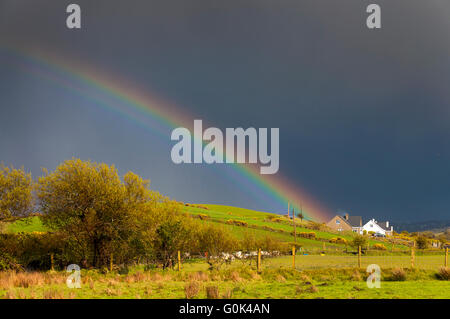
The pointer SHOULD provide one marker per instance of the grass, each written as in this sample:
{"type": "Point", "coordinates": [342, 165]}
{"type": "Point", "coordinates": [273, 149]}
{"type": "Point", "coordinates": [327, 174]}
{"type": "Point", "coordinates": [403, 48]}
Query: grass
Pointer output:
{"type": "Point", "coordinates": [282, 229]}
{"type": "Point", "coordinates": [333, 262]}
{"type": "Point", "coordinates": [316, 276]}
{"type": "Point", "coordinates": [26, 225]}
{"type": "Point", "coordinates": [229, 282]}
{"type": "Point", "coordinates": [258, 223]}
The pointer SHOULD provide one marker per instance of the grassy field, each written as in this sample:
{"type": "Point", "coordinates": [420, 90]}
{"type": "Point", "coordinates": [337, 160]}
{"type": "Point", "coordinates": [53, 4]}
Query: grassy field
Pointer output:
{"type": "Point", "coordinates": [262, 225]}
{"type": "Point", "coordinates": [25, 225]}
{"type": "Point", "coordinates": [232, 281]}
{"type": "Point", "coordinates": [333, 262]}
{"type": "Point", "coordinates": [258, 223]}
{"type": "Point", "coordinates": [316, 275]}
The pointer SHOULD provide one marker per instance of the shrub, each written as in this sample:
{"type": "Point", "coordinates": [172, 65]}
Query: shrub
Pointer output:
{"type": "Point", "coordinates": [422, 242]}
{"type": "Point", "coordinates": [237, 222]}
{"type": "Point", "coordinates": [203, 216]}
{"type": "Point", "coordinates": [213, 239]}
{"type": "Point", "coordinates": [16, 192]}
{"type": "Point", "coordinates": [33, 250]}
{"type": "Point", "coordinates": [356, 276]}
{"type": "Point", "coordinates": [444, 273]}
{"type": "Point", "coordinates": [379, 247]}
{"type": "Point", "coordinates": [212, 292]}
{"type": "Point", "coordinates": [310, 235]}
{"type": "Point", "coordinates": [250, 242]}
{"type": "Point", "coordinates": [398, 274]}
{"type": "Point", "coordinates": [227, 294]}
{"type": "Point", "coordinates": [171, 236]}
{"type": "Point", "coordinates": [316, 226]}
{"type": "Point", "coordinates": [234, 276]}
{"type": "Point", "coordinates": [269, 228]}
{"type": "Point", "coordinates": [8, 263]}
{"type": "Point", "coordinates": [338, 240]}
{"type": "Point", "coordinates": [191, 289]}
{"type": "Point", "coordinates": [359, 240]}
{"type": "Point", "coordinates": [313, 289]}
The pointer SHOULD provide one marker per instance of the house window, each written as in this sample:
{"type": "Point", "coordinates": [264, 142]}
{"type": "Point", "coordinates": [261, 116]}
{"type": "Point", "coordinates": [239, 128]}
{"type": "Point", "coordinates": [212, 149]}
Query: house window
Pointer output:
{"type": "Point", "coordinates": [338, 221]}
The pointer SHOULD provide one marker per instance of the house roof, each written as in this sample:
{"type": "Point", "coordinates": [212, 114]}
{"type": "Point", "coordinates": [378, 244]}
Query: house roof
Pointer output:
{"type": "Point", "coordinates": [355, 221]}
{"type": "Point", "coordinates": [383, 225]}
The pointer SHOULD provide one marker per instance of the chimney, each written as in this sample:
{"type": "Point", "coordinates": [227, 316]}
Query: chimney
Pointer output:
{"type": "Point", "coordinates": [346, 216]}
{"type": "Point", "coordinates": [387, 224]}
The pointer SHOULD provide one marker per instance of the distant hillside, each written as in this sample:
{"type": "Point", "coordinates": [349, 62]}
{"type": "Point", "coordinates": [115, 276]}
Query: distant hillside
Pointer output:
{"type": "Point", "coordinates": [240, 222]}
{"type": "Point", "coordinates": [435, 226]}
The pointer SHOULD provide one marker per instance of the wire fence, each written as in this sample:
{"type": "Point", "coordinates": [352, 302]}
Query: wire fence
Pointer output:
{"type": "Point", "coordinates": [417, 259]}
{"type": "Point", "coordinates": [427, 260]}
{"type": "Point", "coordinates": [299, 260]}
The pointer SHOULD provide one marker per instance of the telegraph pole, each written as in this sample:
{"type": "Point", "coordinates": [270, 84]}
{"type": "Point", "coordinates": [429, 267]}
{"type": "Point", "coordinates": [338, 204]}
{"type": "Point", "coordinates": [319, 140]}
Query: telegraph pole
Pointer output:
{"type": "Point", "coordinates": [289, 203]}
{"type": "Point", "coordinates": [293, 221]}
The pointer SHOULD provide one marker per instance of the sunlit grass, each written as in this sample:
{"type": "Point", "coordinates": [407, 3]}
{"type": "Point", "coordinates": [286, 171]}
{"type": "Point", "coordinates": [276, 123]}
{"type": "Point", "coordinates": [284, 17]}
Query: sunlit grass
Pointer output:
{"type": "Point", "coordinates": [231, 281]}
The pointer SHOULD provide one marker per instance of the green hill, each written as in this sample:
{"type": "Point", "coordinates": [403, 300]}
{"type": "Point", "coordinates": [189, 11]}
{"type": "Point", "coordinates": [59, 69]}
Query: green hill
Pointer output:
{"type": "Point", "coordinates": [239, 221]}
{"type": "Point", "coordinates": [25, 225]}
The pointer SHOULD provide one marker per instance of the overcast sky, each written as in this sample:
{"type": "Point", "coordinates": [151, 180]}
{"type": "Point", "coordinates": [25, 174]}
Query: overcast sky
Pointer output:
{"type": "Point", "coordinates": [364, 115]}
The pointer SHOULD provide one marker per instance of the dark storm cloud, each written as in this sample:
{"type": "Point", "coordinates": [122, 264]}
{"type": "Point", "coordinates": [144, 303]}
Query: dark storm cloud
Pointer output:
{"type": "Point", "coordinates": [363, 114]}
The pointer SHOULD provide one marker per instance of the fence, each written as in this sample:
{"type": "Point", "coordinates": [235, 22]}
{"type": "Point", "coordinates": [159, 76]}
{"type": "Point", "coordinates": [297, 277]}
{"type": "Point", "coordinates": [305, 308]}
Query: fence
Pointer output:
{"type": "Point", "coordinates": [361, 258]}
{"type": "Point", "coordinates": [418, 259]}
{"type": "Point", "coordinates": [423, 259]}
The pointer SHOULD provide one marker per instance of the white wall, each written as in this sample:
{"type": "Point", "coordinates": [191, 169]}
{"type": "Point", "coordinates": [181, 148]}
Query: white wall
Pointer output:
{"type": "Point", "coordinates": [371, 225]}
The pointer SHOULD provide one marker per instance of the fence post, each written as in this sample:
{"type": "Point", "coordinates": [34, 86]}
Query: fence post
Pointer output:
{"type": "Point", "coordinates": [359, 256]}
{"type": "Point", "coordinates": [293, 257]}
{"type": "Point", "coordinates": [413, 256]}
{"type": "Point", "coordinates": [446, 257]}
{"type": "Point", "coordinates": [179, 261]}
{"type": "Point", "coordinates": [323, 247]}
{"type": "Point", "coordinates": [258, 266]}
{"type": "Point", "coordinates": [52, 266]}
{"type": "Point", "coordinates": [111, 261]}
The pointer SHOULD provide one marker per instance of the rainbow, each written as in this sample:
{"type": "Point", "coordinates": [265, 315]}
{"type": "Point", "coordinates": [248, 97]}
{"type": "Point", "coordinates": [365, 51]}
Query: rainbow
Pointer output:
{"type": "Point", "coordinates": [106, 89]}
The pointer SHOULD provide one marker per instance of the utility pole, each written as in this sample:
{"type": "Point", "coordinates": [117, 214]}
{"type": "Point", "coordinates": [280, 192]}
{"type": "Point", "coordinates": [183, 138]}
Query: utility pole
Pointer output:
{"type": "Point", "coordinates": [289, 204]}
{"type": "Point", "coordinates": [293, 221]}
{"type": "Point", "coordinates": [301, 212]}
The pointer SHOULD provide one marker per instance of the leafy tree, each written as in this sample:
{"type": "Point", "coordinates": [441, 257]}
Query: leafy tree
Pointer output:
{"type": "Point", "coordinates": [89, 203]}
{"type": "Point", "coordinates": [422, 242]}
{"type": "Point", "coordinates": [16, 192]}
{"type": "Point", "coordinates": [152, 220]}
{"type": "Point", "coordinates": [359, 240]}
{"type": "Point", "coordinates": [171, 236]}
{"type": "Point", "coordinates": [214, 240]}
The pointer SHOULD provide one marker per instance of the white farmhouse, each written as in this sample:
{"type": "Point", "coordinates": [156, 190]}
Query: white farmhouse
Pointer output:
{"type": "Point", "coordinates": [379, 228]}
